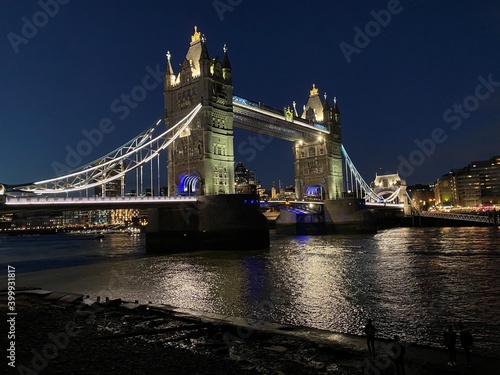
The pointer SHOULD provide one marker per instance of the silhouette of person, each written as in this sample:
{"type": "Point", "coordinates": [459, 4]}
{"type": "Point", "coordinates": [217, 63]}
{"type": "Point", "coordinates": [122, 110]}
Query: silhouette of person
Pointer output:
{"type": "Point", "coordinates": [370, 336]}
{"type": "Point", "coordinates": [450, 341]}
{"type": "Point", "coordinates": [398, 352]}
{"type": "Point", "coordinates": [466, 339]}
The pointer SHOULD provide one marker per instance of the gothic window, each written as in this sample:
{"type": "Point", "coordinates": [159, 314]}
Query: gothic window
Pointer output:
{"type": "Point", "coordinates": [302, 154]}
{"type": "Point", "coordinates": [312, 151]}
{"type": "Point", "coordinates": [215, 152]}
{"type": "Point", "coordinates": [321, 151]}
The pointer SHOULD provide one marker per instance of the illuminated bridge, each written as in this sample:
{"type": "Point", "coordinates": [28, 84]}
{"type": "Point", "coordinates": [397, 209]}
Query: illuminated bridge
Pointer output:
{"type": "Point", "coordinates": [194, 139]}
{"type": "Point", "coordinates": [145, 149]}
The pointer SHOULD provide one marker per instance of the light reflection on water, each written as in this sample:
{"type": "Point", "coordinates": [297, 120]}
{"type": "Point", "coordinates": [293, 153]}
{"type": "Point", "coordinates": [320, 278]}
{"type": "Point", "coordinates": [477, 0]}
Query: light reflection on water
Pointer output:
{"type": "Point", "coordinates": [411, 281]}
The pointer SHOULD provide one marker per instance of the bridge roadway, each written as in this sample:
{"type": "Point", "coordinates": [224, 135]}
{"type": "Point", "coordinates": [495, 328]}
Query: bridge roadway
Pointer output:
{"type": "Point", "coordinates": [12, 204]}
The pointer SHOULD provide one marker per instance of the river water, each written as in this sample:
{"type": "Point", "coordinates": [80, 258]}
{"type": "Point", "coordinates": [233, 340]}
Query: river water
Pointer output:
{"type": "Point", "coordinates": [410, 281]}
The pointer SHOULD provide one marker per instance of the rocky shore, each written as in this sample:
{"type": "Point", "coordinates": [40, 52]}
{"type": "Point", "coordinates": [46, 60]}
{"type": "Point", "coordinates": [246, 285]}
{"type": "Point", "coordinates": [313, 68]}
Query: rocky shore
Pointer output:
{"type": "Point", "coordinates": [64, 333]}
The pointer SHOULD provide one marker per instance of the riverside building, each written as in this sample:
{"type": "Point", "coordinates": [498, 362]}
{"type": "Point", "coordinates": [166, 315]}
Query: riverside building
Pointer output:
{"type": "Point", "coordinates": [474, 185]}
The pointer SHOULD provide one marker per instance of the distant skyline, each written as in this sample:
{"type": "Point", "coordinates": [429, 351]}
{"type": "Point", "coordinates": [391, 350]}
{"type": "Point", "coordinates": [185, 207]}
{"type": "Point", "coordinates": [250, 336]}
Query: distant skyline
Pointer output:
{"type": "Point", "coordinates": [417, 82]}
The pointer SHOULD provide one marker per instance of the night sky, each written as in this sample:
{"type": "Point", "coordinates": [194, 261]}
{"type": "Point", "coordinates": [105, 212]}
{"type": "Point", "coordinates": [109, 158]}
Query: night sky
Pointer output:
{"type": "Point", "coordinates": [407, 75]}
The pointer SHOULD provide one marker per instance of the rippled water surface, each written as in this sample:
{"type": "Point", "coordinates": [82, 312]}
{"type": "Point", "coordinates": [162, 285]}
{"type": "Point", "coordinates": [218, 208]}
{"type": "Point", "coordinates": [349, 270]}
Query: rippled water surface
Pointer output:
{"type": "Point", "coordinates": [411, 281]}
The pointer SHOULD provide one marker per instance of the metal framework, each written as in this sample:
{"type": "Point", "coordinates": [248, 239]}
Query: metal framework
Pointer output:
{"type": "Point", "coordinates": [463, 217]}
{"type": "Point", "coordinates": [117, 163]}
{"type": "Point", "coordinates": [355, 183]}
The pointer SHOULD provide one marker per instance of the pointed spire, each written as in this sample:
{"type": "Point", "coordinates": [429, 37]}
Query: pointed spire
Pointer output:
{"type": "Point", "coordinates": [295, 109]}
{"type": "Point", "coordinates": [196, 36]}
{"type": "Point", "coordinates": [204, 51]}
{"type": "Point", "coordinates": [314, 91]}
{"type": "Point", "coordinates": [326, 106]}
{"type": "Point", "coordinates": [335, 106]}
{"type": "Point", "coordinates": [225, 63]}
{"type": "Point", "coordinates": [169, 70]}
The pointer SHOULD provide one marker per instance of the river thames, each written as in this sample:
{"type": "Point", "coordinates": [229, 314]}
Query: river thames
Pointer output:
{"type": "Point", "coordinates": [410, 281]}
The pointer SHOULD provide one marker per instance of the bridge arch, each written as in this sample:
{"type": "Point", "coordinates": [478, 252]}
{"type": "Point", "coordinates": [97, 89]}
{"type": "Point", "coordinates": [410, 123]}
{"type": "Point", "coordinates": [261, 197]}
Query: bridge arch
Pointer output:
{"type": "Point", "coordinates": [315, 192]}
{"type": "Point", "coordinates": [189, 184]}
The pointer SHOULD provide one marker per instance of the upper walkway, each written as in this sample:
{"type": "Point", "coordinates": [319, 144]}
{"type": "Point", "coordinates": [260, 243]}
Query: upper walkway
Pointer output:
{"type": "Point", "coordinates": [260, 118]}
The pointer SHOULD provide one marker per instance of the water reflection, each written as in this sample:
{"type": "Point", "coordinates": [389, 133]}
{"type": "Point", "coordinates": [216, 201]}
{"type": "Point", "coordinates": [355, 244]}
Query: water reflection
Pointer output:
{"type": "Point", "coordinates": [411, 281]}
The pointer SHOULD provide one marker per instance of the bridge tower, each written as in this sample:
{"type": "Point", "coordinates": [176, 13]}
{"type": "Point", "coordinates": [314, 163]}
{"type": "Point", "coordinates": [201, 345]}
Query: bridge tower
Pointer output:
{"type": "Point", "coordinates": [318, 160]}
{"type": "Point", "coordinates": [201, 161]}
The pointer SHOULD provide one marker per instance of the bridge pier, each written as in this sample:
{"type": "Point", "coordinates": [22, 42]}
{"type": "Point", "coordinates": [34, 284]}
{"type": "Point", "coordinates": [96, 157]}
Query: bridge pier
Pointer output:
{"type": "Point", "coordinates": [216, 222]}
{"type": "Point", "coordinates": [345, 215]}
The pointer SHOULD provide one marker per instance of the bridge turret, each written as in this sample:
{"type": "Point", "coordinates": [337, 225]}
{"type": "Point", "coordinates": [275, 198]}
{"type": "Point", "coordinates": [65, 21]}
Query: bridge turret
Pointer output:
{"type": "Point", "coordinates": [204, 58]}
{"type": "Point", "coordinates": [313, 110]}
{"type": "Point", "coordinates": [318, 159]}
{"type": "Point", "coordinates": [169, 73]}
{"type": "Point", "coordinates": [226, 67]}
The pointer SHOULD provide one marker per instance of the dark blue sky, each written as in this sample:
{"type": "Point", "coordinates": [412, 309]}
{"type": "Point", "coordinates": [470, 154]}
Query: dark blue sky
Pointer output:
{"type": "Point", "coordinates": [432, 70]}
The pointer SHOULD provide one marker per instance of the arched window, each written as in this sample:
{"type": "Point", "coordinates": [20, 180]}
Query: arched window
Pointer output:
{"type": "Point", "coordinates": [312, 151]}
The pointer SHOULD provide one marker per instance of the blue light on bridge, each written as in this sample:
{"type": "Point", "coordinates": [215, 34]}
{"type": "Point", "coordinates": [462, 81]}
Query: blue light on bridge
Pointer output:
{"type": "Point", "coordinates": [321, 127]}
{"type": "Point", "coordinates": [188, 183]}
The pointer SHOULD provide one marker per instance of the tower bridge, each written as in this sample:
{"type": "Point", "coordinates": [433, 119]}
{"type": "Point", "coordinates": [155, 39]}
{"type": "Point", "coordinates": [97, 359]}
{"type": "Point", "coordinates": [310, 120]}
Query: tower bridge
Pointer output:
{"type": "Point", "coordinates": [201, 113]}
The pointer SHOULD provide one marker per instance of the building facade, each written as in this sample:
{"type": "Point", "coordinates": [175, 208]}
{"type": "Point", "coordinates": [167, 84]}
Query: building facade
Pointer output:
{"type": "Point", "coordinates": [474, 185]}
{"type": "Point", "coordinates": [244, 180]}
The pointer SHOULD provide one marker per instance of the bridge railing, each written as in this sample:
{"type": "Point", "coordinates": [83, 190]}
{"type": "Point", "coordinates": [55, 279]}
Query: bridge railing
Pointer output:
{"type": "Point", "coordinates": [92, 200]}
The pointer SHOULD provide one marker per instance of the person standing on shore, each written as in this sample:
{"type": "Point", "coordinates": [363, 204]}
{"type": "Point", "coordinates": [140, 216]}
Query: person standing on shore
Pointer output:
{"type": "Point", "coordinates": [370, 337]}
{"type": "Point", "coordinates": [450, 341]}
{"type": "Point", "coordinates": [466, 339]}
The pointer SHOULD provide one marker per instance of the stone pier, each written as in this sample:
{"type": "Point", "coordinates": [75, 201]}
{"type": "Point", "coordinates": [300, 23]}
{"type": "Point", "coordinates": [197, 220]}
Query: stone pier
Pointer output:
{"type": "Point", "coordinates": [216, 222]}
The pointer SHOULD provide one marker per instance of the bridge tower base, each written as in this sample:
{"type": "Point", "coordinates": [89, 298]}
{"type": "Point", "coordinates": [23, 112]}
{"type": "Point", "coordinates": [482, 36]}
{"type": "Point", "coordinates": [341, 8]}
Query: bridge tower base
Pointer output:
{"type": "Point", "coordinates": [345, 215]}
{"type": "Point", "coordinates": [216, 222]}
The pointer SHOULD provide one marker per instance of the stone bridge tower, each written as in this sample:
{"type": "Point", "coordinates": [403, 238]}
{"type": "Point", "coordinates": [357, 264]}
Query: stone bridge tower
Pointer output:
{"type": "Point", "coordinates": [201, 161]}
{"type": "Point", "coordinates": [318, 160]}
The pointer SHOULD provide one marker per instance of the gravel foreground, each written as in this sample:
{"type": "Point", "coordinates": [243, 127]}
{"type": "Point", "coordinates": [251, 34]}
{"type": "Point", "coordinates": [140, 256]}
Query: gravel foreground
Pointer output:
{"type": "Point", "coordinates": [55, 333]}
